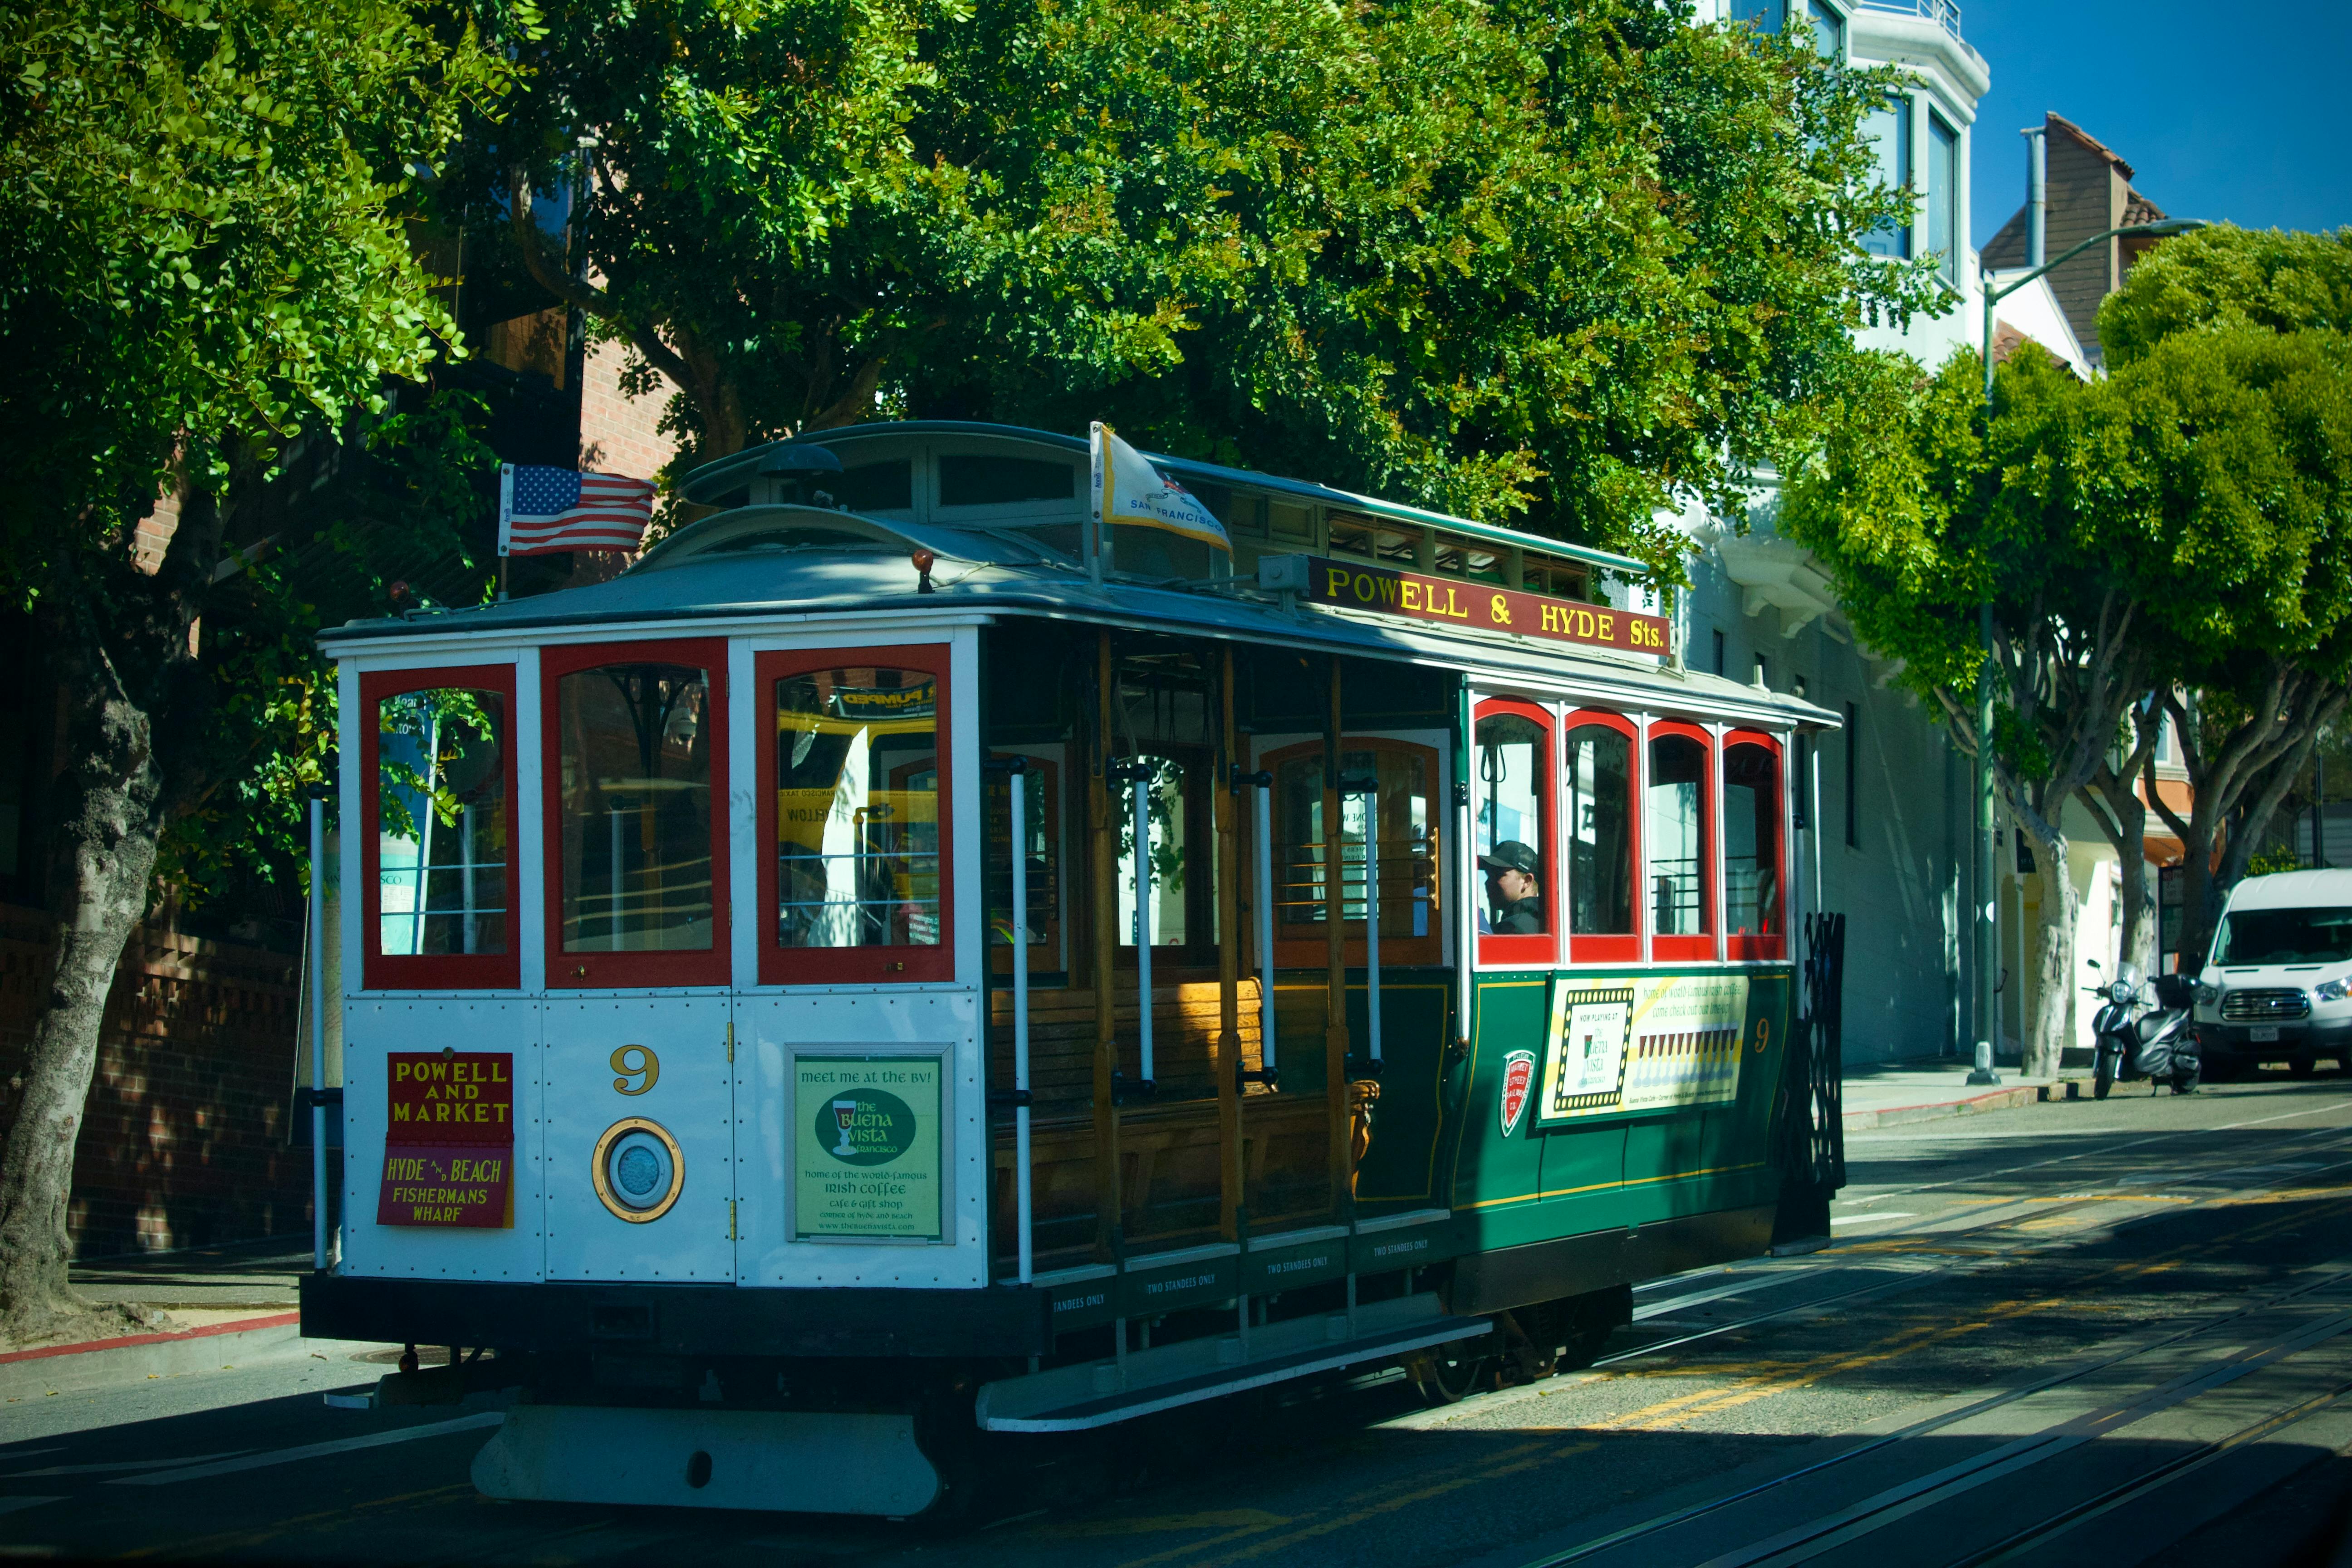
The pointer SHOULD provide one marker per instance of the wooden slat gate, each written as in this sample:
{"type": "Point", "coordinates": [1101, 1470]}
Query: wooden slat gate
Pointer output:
{"type": "Point", "coordinates": [1812, 1108]}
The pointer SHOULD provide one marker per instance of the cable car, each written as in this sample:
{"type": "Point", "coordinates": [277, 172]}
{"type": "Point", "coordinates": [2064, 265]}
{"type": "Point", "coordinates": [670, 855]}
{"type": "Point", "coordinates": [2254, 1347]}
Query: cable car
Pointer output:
{"type": "Point", "coordinates": [917, 957]}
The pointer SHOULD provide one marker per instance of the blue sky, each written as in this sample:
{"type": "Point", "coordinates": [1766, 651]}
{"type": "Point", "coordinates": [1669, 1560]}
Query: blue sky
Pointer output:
{"type": "Point", "coordinates": [2226, 113]}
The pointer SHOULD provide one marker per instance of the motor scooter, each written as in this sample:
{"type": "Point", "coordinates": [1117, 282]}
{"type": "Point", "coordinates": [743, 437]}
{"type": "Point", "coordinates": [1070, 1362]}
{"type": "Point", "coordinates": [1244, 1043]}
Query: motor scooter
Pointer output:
{"type": "Point", "coordinates": [2144, 1032]}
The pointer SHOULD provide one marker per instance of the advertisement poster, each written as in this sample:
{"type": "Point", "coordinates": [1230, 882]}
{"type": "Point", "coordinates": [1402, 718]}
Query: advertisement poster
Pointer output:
{"type": "Point", "coordinates": [448, 1144]}
{"type": "Point", "coordinates": [1652, 1044]}
{"type": "Point", "coordinates": [869, 1155]}
{"type": "Point", "coordinates": [1584, 1057]}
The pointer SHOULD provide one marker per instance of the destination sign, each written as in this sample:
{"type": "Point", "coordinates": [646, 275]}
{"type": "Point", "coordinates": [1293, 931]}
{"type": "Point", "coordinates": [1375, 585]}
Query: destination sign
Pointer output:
{"type": "Point", "coordinates": [1479, 607]}
{"type": "Point", "coordinates": [448, 1146]}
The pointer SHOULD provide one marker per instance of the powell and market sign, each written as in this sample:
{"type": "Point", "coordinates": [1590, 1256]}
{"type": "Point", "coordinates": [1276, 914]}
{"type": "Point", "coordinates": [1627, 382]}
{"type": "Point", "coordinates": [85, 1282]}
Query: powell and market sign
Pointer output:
{"type": "Point", "coordinates": [1319, 580]}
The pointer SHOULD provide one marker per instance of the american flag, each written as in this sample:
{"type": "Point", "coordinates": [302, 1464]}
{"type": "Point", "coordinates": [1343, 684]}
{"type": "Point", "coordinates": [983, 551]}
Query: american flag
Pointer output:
{"type": "Point", "coordinates": [543, 511]}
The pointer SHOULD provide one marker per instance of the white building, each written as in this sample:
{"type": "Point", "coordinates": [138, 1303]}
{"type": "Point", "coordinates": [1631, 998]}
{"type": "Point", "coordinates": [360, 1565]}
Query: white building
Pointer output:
{"type": "Point", "coordinates": [1889, 827]}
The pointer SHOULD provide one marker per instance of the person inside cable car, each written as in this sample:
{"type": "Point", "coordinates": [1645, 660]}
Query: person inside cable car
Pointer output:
{"type": "Point", "coordinates": [1512, 885]}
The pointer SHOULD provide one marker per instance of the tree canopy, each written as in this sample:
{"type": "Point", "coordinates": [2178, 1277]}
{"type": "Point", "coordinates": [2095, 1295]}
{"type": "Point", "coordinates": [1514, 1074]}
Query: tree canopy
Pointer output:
{"type": "Point", "coordinates": [1565, 267]}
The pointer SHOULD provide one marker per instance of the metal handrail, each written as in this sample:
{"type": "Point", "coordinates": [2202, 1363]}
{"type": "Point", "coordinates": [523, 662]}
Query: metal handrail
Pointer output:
{"type": "Point", "coordinates": [1942, 12]}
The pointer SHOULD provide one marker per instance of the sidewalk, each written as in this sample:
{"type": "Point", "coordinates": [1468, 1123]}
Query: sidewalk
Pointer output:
{"type": "Point", "coordinates": [1891, 1094]}
{"type": "Point", "coordinates": [219, 1306]}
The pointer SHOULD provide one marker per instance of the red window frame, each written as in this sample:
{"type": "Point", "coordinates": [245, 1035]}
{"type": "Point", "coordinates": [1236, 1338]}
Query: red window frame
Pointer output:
{"type": "Point", "coordinates": [1533, 947]}
{"type": "Point", "coordinates": [1710, 881]}
{"type": "Point", "coordinates": [782, 965]}
{"type": "Point", "coordinates": [1614, 947]}
{"type": "Point", "coordinates": [382, 971]}
{"type": "Point", "coordinates": [602, 971]}
{"type": "Point", "coordinates": [1758, 944]}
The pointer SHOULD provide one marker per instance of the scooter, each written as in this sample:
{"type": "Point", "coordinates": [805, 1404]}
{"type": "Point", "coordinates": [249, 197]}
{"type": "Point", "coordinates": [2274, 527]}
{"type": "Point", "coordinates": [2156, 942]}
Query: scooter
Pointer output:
{"type": "Point", "coordinates": [2159, 1045]}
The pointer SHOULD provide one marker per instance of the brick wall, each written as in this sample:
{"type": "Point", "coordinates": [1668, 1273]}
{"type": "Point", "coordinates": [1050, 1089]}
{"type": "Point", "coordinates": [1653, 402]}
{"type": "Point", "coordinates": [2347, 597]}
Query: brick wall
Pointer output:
{"type": "Point", "coordinates": [616, 432]}
{"type": "Point", "coordinates": [184, 1142]}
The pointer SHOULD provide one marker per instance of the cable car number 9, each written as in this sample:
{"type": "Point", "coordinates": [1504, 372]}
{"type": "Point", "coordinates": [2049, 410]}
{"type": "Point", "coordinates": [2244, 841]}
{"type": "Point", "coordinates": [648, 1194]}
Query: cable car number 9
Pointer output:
{"type": "Point", "coordinates": [633, 1062]}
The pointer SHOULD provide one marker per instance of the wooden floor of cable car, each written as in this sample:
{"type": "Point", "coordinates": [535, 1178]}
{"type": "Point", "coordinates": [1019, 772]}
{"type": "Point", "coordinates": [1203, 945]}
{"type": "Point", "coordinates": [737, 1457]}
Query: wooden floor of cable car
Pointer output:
{"type": "Point", "coordinates": [1170, 1195]}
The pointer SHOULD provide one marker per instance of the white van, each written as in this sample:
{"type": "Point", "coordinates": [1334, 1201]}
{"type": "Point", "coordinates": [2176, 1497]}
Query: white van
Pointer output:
{"type": "Point", "coordinates": [2279, 982]}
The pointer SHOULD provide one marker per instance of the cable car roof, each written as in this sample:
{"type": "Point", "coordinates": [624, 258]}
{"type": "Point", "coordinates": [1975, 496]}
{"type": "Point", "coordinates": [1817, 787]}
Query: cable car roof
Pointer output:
{"type": "Point", "coordinates": [762, 563]}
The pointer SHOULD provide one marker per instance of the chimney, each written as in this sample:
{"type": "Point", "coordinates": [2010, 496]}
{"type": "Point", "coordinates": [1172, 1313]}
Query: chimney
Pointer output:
{"type": "Point", "coordinates": [2037, 194]}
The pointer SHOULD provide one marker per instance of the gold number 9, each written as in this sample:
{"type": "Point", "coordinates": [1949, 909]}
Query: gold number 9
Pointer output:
{"type": "Point", "coordinates": [635, 1061]}
{"type": "Point", "coordinates": [1763, 1034]}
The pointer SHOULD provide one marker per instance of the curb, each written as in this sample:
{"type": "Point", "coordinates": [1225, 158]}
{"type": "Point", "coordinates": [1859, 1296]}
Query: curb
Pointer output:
{"type": "Point", "coordinates": [135, 1358]}
{"type": "Point", "coordinates": [1991, 1099]}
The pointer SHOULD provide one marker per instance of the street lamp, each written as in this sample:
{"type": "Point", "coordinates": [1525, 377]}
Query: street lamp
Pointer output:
{"type": "Point", "coordinates": [1987, 956]}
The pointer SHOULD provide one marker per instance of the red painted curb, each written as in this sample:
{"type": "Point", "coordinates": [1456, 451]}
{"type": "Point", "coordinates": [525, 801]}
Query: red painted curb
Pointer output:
{"type": "Point", "coordinates": [233, 1326]}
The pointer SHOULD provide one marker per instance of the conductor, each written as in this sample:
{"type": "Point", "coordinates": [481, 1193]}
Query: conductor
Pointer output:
{"type": "Point", "coordinates": [1512, 882]}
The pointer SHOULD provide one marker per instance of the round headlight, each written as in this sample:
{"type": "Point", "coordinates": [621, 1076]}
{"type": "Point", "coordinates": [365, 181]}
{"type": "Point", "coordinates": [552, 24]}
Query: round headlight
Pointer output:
{"type": "Point", "coordinates": [637, 1170]}
{"type": "Point", "coordinates": [2121, 991]}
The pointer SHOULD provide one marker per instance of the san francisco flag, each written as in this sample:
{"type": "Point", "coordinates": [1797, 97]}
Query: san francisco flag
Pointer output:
{"type": "Point", "coordinates": [543, 511]}
{"type": "Point", "coordinates": [1129, 490]}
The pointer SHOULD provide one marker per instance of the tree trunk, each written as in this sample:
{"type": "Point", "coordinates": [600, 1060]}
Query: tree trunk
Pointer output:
{"type": "Point", "coordinates": [2051, 1025]}
{"type": "Point", "coordinates": [107, 837]}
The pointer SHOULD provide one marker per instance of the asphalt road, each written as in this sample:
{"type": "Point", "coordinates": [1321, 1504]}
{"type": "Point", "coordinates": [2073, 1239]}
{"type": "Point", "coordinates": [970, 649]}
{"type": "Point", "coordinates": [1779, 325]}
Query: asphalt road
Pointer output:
{"type": "Point", "coordinates": [2107, 1331]}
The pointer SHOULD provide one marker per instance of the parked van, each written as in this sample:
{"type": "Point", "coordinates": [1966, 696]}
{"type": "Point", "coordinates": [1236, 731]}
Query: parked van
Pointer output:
{"type": "Point", "coordinates": [2279, 981]}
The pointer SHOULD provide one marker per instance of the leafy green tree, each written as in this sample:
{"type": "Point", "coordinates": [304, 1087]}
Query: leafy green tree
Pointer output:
{"type": "Point", "coordinates": [1572, 265]}
{"type": "Point", "coordinates": [1924, 508]}
{"type": "Point", "coordinates": [202, 257]}
{"type": "Point", "coordinates": [2230, 352]}
{"type": "Point", "coordinates": [2178, 526]}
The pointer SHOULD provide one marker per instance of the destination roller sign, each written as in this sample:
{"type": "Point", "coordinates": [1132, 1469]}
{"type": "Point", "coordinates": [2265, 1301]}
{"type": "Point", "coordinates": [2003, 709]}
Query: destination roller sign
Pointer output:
{"type": "Point", "coordinates": [1479, 607]}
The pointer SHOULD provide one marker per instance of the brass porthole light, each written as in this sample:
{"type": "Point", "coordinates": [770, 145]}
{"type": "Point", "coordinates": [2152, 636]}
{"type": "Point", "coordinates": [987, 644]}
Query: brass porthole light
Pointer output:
{"type": "Point", "coordinates": [637, 1170]}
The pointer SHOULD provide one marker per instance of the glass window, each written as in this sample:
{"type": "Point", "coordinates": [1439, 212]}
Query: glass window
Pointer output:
{"type": "Point", "coordinates": [1829, 30]}
{"type": "Point", "coordinates": [1404, 834]}
{"type": "Point", "coordinates": [1676, 824]}
{"type": "Point", "coordinates": [633, 795]}
{"type": "Point", "coordinates": [1944, 196]}
{"type": "Point", "coordinates": [1042, 844]}
{"type": "Point", "coordinates": [1167, 804]}
{"type": "Point", "coordinates": [1752, 840]}
{"type": "Point", "coordinates": [442, 824]}
{"type": "Point", "coordinates": [979, 480]}
{"type": "Point", "coordinates": [875, 486]}
{"type": "Point", "coordinates": [1764, 15]}
{"type": "Point", "coordinates": [1511, 759]}
{"type": "Point", "coordinates": [1888, 128]}
{"type": "Point", "coordinates": [1600, 831]}
{"type": "Point", "coordinates": [2286, 936]}
{"type": "Point", "coordinates": [858, 809]}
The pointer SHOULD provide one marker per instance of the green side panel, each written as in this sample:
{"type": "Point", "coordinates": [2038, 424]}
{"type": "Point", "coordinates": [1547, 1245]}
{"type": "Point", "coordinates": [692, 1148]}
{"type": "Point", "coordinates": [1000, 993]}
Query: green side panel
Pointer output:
{"type": "Point", "coordinates": [1664, 1156]}
{"type": "Point", "coordinates": [1497, 1175]}
{"type": "Point", "coordinates": [1742, 1134]}
{"type": "Point", "coordinates": [1399, 1169]}
{"type": "Point", "coordinates": [1584, 1177]}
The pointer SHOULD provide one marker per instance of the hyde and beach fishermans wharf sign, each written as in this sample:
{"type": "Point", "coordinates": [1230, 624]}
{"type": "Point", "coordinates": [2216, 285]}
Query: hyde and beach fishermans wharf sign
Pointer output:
{"type": "Point", "coordinates": [1454, 603]}
{"type": "Point", "coordinates": [449, 1145]}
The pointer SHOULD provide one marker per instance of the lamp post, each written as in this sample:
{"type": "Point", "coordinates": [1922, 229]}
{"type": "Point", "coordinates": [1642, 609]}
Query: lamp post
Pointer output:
{"type": "Point", "coordinates": [1987, 959]}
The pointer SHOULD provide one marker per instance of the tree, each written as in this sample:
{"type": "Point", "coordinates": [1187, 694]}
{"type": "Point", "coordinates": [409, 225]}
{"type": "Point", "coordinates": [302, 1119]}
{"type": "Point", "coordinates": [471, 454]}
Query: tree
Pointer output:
{"type": "Point", "coordinates": [1574, 265]}
{"type": "Point", "coordinates": [201, 256]}
{"type": "Point", "coordinates": [2231, 353]}
{"type": "Point", "coordinates": [1925, 506]}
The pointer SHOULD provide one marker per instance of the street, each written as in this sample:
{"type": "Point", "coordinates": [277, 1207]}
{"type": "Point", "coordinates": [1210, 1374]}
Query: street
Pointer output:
{"type": "Point", "coordinates": [2115, 1330]}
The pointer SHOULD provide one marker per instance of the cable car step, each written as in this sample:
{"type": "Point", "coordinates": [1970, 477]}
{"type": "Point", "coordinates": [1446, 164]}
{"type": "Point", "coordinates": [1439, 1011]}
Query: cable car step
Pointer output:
{"type": "Point", "coordinates": [1100, 1393]}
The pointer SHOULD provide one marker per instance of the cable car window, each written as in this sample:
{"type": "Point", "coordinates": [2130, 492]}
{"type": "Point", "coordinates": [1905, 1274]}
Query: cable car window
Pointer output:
{"type": "Point", "coordinates": [1511, 834]}
{"type": "Point", "coordinates": [855, 881]}
{"type": "Point", "coordinates": [1005, 481]}
{"type": "Point", "coordinates": [1042, 845]}
{"type": "Point", "coordinates": [857, 808]}
{"type": "Point", "coordinates": [1751, 848]}
{"type": "Point", "coordinates": [1599, 796]}
{"type": "Point", "coordinates": [439, 782]}
{"type": "Point", "coordinates": [1405, 835]}
{"type": "Point", "coordinates": [634, 797]}
{"type": "Point", "coordinates": [875, 486]}
{"type": "Point", "coordinates": [1676, 824]}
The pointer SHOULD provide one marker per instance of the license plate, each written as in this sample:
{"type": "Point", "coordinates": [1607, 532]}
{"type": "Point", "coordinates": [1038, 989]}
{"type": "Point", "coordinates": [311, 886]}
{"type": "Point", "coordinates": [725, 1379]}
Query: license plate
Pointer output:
{"type": "Point", "coordinates": [2263, 1034]}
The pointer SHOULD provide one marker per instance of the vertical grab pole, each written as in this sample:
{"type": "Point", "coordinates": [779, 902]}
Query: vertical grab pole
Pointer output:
{"type": "Point", "coordinates": [319, 1031]}
{"type": "Point", "coordinates": [1262, 788]}
{"type": "Point", "coordinates": [1373, 919]}
{"type": "Point", "coordinates": [1021, 1013]}
{"type": "Point", "coordinates": [1142, 804]}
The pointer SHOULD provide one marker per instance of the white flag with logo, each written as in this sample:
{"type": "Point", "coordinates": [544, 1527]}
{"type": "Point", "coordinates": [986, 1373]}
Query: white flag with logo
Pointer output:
{"type": "Point", "coordinates": [1128, 490]}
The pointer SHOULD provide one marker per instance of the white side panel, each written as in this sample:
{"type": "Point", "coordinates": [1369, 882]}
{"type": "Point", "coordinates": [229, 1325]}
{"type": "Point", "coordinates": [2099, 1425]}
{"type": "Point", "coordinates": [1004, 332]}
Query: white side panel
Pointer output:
{"type": "Point", "coordinates": [770, 1030]}
{"type": "Point", "coordinates": [690, 1098]}
{"type": "Point", "coordinates": [372, 1029]}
